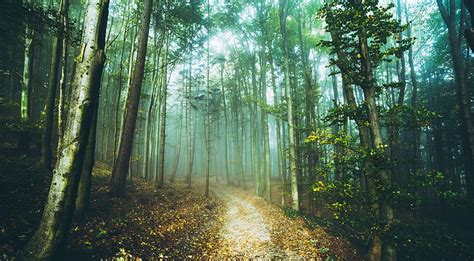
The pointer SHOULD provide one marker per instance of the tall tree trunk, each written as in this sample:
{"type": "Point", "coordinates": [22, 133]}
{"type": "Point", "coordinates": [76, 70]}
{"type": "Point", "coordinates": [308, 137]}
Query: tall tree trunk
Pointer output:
{"type": "Point", "coordinates": [226, 129]}
{"type": "Point", "coordinates": [164, 96]}
{"type": "Point", "coordinates": [338, 173]}
{"type": "Point", "coordinates": [120, 170]}
{"type": "Point", "coordinates": [266, 139]}
{"type": "Point", "coordinates": [208, 108]}
{"type": "Point", "coordinates": [85, 182]}
{"type": "Point", "coordinates": [255, 140]}
{"type": "Point", "coordinates": [312, 154]}
{"type": "Point", "coordinates": [149, 128]}
{"type": "Point", "coordinates": [63, 79]}
{"type": "Point", "coordinates": [291, 131]}
{"type": "Point", "coordinates": [46, 151]}
{"type": "Point", "coordinates": [463, 94]}
{"type": "Point", "coordinates": [189, 125]}
{"type": "Point", "coordinates": [118, 93]}
{"type": "Point", "coordinates": [385, 209]}
{"type": "Point", "coordinates": [416, 132]}
{"type": "Point", "coordinates": [280, 147]}
{"type": "Point", "coordinates": [58, 212]}
{"type": "Point", "coordinates": [25, 106]}
{"type": "Point", "coordinates": [177, 153]}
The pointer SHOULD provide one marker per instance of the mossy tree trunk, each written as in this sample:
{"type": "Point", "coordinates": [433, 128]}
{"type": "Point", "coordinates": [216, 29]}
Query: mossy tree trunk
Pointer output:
{"type": "Point", "coordinates": [58, 212]}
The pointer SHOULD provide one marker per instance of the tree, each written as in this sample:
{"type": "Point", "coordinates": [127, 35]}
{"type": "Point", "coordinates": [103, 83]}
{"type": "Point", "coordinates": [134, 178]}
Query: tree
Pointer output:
{"type": "Point", "coordinates": [58, 212]}
{"type": "Point", "coordinates": [164, 95]}
{"type": "Point", "coordinates": [57, 65]}
{"type": "Point", "coordinates": [462, 92]}
{"type": "Point", "coordinates": [469, 32]}
{"type": "Point", "coordinates": [372, 26]}
{"type": "Point", "coordinates": [289, 102]}
{"type": "Point", "coordinates": [207, 121]}
{"type": "Point", "coordinates": [120, 170]}
{"type": "Point", "coordinates": [25, 106]}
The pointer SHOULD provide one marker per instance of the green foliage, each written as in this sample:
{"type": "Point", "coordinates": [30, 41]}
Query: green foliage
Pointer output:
{"type": "Point", "coordinates": [341, 112]}
{"type": "Point", "coordinates": [277, 110]}
{"type": "Point", "coordinates": [353, 207]}
{"type": "Point", "coordinates": [348, 20]}
{"type": "Point", "coordinates": [405, 116]}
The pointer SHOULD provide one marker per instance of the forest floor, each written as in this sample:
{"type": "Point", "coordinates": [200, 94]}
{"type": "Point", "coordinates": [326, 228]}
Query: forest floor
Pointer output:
{"type": "Point", "coordinates": [253, 228]}
{"type": "Point", "coordinates": [152, 223]}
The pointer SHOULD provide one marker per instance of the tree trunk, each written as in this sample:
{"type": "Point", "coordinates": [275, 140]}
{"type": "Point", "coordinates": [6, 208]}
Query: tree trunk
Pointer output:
{"type": "Point", "coordinates": [25, 106]}
{"type": "Point", "coordinates": [224, 108]}
{"type": "Point", "coordinates": [120, 170]}
{"type": "Point", "coordinates": [63, 80]}
{"type": "Point", "coordinates": [178, 147]}
{"type": "Point", "coordinates": [161, 179]}
{"type": "Point", "coordinates": [85, 182]}
{"type": "Point", "coordinates": [291, 131]}
{"type": "Point", "coordinates": [208, 109]}
{"type": "Point", "coordinates": [46, 151]}
{"type": "Point", "coordinates": [189, 126]}
{"type": "Point", "coordinates": [58, 212]}
{"type": "Point", "coordinates": [463, 94]}
{"type": "Point", "coordinates": [469, 32]}
{"type": "Point", "coordinates": [416, 162]}
{"type": "Point", "coordinates": [280, 147]}
{"type": "Point", "coordinates": [385, 210]}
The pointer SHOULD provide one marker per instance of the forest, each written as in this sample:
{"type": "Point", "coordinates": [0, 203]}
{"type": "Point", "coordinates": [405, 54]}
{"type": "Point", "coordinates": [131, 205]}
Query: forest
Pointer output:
{"type": "Point", "coordinates": [243, 129]}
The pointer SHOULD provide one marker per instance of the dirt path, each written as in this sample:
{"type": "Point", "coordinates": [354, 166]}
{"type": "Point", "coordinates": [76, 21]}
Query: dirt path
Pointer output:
{"type": "Point", "coordinates": [253, 228]}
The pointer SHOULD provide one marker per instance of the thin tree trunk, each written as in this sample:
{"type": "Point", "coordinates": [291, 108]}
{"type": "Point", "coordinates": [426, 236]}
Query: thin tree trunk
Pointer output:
{"type": "Point", "coordinates": [208, 109]}
{"type": "Point", "coordinates": [414, 98]}
{"type": "Point", "coordinates": [189, 126]}
{"type": "Point", "coordinates": [178, 147]}
{"type": "Point", "coordinates": [164, 93]}
{"type": "Point", "coordinates": [25, 106]}
{"type": "Point", "coordinates": [85, 182]}
{"type": "Point", "coordinates": [224, 108]}
{"type": "Point", "coordinates": [46, 151]}
{"type": "Point", "coordinates": [63, 79]}
{"type": "Point", "coordinates": [291, 131]}
{"type": "Point", "coordinates": [280, 146]}
{"type": "Point", "coordinates": [118, 116]}
{"type": "Point", "coordinates": [119, 173]}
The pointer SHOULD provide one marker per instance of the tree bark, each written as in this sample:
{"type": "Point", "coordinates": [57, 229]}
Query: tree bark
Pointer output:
{"type": "Point", "coordinates": [46, 151]}
{"type": "Point", "coordinates": [85, 182]}
{"type": "Point", "coordinates": [177, 153]}
{"type": "Point", "coordinates": [63, 79]}
{"type": "Point", "coordinates": [208, 108]}
{"type": "Point", "coordinates": [224, 108]}
{"type": "Point", "coordinates": [385, 209]}
{"type": "Point", "coordinates": [291, 131]}
{"type": "Point", "coordinates": [120, 170]}
{"type": "Point", "coordinates": [58, 212]}
{"type": "Point", "coordinates": [164, 95]}
{"type": "Point", "coordinates": [189, 126]}
{"type": "Point", "coordinates": [280, 146]}
{"type": "Point", "coordinates": [25, 106]}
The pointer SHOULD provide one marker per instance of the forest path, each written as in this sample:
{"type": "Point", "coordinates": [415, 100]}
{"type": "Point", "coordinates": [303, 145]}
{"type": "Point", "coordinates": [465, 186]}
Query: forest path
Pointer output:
{"type": "Point", "coordinates": [254, 228]}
